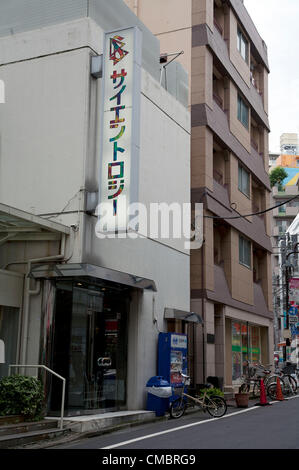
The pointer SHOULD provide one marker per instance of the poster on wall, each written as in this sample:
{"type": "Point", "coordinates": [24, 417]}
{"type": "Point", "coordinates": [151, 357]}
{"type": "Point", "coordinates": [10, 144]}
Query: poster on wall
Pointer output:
{"type": "Point", "coordinates": [120, 121]}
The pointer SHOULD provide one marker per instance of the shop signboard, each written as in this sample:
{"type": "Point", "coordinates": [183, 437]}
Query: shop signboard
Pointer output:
{"type": "Point", "coordinates": [120, 121]}
{"type": "Point", "coordinates": [294, 291]}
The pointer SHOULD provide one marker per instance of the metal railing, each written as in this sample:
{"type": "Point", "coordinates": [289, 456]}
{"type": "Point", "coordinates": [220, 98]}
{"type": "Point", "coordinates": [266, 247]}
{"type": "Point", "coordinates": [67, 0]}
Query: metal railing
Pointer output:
{"type": "Point", "coordinates": [51, 372]}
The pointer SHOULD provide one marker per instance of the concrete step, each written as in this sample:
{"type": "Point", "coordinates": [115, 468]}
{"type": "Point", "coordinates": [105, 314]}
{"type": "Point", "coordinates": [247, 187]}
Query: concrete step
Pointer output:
{"type": "Point", "coordinates": [104, 421]}
{"type": "Point", "coordinates": [11, 419]}
{"type": "Point", "coordinates": [10, 441]}
{"type": "Point", "coordinates": [21, 428]}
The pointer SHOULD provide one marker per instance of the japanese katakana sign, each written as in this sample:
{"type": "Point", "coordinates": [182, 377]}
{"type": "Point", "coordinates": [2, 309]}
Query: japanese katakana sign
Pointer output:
{"type": "Point", "coordinates": [120, 124]}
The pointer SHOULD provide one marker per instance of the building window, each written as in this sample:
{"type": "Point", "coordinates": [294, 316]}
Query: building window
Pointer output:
{"type": "Point", "coordinates": [246, 346]}
{"type": "Point", "coordinates": [244, 252]}
{"type": "Point", "coordinates": [242, 45]}
{"type": "Point", "coordinates": [244, 181]}
{"type": "Point", "coordinates": [243, 112]}
{"type": "Point", "coordinates": [282, 209]}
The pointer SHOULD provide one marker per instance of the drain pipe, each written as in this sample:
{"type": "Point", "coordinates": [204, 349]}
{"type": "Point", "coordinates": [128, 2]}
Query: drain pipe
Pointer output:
{"type": "Point", "coordinates": [29, 293]}
{"type": "Point", "coordinates": [22, 348]}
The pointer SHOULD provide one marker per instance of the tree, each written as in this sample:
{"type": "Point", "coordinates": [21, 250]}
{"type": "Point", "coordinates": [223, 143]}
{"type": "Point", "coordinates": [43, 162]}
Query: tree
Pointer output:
{"type": "Point", "coordinates": [277, 176]}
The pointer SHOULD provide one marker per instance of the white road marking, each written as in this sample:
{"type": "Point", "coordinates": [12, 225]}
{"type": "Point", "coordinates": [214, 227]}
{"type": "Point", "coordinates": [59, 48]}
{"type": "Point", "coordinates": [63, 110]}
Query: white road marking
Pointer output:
{"type": "Point", "coordinates": [179, 428]}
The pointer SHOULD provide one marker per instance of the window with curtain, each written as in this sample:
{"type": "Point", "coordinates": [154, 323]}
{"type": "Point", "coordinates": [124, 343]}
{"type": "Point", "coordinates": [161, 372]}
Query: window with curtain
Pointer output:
{"type": "Point", "coordinates": [242, 45]}
{"type": "Point", "coordinates": [244, 252]}
{"type": "Point", "coordinates": [243, 112]}
{"type": "Point", "coordinates": [244, 181]}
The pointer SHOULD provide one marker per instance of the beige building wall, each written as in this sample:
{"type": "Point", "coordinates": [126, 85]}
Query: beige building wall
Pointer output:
{"type": "Point", "coordinates": [202, 76]}
{"type": "Point", "coordinates": [208, 253]}
{"type": "Point", "coordinates": [210, 329]}
{"type": "Point", "coordinates": [202, 12]}
{"type": "Point", "coordinates": [171, 22]}
{"type": "Point", "coordinates": [265, 87]}
{"type": "Point", "coordinates": [202, 158]}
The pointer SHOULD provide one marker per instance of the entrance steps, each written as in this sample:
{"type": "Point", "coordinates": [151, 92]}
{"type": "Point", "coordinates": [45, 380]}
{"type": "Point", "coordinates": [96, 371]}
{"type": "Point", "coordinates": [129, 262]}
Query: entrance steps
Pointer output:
{"type": "Point", "coordinates": [14, 432]}
{"type": "Point", "coordinates": [46, 433]}
{"type": "Point", "coordinates": [106, 421]}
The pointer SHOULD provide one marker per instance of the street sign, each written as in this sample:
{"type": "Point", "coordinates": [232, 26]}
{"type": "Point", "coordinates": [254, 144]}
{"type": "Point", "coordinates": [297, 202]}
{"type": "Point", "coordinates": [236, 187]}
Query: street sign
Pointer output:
{"type": "Point", "coordinates": [293, 311]}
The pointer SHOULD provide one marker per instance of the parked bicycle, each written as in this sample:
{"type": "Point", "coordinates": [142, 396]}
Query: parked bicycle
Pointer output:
{"type": "Point", "coordinates": [215, 405]}
{"type": "Point", "coordinates": [288, 382]}
{"type": "Point", "coordinates": [253, 373]}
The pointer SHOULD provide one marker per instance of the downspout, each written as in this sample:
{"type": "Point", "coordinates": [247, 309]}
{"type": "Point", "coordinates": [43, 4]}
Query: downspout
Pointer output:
{"type": "Point", "coordinates": [22, 348]}
{"type": "Point", "coordinates": [203, 311]}
{"type": "Point", "coordinates": [28, 293]}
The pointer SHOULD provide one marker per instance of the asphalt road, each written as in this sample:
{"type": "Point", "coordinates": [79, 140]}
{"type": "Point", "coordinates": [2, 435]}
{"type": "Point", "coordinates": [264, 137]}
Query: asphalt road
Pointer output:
{"type": "Point", "coordinates": [267, 427]}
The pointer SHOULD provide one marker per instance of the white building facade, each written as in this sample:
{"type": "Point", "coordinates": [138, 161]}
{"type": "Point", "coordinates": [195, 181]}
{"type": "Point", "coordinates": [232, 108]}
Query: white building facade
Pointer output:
{"type": "Point", "coordinates": [88, 308]}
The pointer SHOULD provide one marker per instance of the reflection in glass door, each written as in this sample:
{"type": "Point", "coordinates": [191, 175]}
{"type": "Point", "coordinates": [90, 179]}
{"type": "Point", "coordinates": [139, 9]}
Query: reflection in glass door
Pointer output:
{"type": "Point", "coordinates": [96, 346]}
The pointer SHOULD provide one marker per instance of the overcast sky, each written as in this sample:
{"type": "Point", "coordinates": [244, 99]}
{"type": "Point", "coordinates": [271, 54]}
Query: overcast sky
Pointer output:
{"type": "Point", "coordinates": [277, 23]}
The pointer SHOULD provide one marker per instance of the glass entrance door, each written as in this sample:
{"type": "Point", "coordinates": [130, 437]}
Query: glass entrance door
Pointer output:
{"type": "Point", "coordinates": [97, 349]}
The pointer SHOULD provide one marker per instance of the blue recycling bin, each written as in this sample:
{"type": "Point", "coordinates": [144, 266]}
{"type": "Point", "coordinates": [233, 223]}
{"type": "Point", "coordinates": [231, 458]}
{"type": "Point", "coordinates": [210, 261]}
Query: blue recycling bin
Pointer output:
{"type": "Point", "coordinates": [159, 391]}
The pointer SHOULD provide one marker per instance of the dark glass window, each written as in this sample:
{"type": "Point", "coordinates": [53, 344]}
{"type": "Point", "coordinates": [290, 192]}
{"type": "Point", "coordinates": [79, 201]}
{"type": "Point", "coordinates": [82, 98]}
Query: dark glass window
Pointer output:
{"type": "Point", "coordinates": [244, 181]}
{"type": "Point", "coordinates": [244, 251]}
{"type": "Point", "coordinates": [242, 45]}
{"type": "Point", "coordinates": [243, 112]}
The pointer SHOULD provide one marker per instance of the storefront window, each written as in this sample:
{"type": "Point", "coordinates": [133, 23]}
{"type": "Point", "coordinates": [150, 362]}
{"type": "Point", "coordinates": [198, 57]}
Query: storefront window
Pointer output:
{"type": "Point", "coordinates": [255, 344]}
{"type": "Point", "coordinates": [245, 347]}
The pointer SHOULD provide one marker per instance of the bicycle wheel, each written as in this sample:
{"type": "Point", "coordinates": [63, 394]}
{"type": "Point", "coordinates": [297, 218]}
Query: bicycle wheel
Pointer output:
{"type": "Point", "coordinates": [216, 406]}
{"type": "Point", "coordinates": [271, 390]}
{"type": "Point", "coordinates": [289, 385]}
{"type": "Point", "coordinates": [177, 408]}
{"type": "Point", "coordinates": [256, 391]}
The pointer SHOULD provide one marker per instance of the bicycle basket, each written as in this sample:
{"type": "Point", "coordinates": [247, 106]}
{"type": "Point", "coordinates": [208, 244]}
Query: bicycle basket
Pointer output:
{"type": "Point", "coordinates": [289, 369]}
{"type": "Point", "coordinates": [177, 391]}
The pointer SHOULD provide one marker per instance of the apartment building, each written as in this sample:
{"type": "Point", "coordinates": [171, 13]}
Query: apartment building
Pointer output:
{"type": "Point", "coordinates": [231, 275]}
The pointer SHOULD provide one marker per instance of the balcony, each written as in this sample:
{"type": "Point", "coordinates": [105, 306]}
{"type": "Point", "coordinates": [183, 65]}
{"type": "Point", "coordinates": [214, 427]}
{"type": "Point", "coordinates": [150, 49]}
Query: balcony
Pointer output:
{"type": "Point", "coordinates": [285, 212]}
{"type": "Point", "coordinates": [285, 191]}
{"type": "Point", "coordinates": [279, 230]}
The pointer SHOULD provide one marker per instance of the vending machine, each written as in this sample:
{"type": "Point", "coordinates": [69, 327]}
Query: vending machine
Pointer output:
{"type": "Point", "coordinates": [172, 357]}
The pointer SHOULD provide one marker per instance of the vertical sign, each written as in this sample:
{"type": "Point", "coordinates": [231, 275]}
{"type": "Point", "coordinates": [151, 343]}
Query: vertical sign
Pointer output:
{"type": "Point", "coordinates": [120, 127]}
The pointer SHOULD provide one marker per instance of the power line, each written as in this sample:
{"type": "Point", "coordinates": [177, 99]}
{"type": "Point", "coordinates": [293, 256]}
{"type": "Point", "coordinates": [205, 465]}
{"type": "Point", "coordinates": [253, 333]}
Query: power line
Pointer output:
{"type": "Point", "coordinates": [249, 215]}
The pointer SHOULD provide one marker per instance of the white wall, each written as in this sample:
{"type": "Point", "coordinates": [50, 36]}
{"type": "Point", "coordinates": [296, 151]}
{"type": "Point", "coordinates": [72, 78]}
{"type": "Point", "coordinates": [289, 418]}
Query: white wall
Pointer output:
{"type": "Point", "coordinates": [49, 130]}
{"type": "Point", "coordinates": [11, 288]}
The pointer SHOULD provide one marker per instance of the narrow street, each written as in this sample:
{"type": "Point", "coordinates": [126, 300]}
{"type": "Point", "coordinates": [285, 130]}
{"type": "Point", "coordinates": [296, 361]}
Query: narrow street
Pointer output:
{"type": "Point", "coordinates": [269, 427]}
